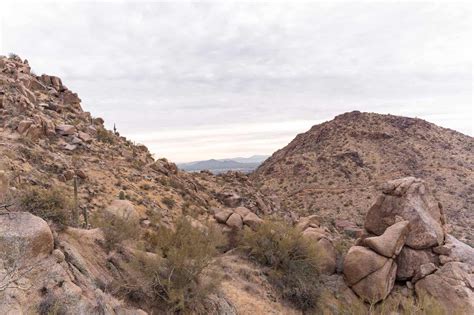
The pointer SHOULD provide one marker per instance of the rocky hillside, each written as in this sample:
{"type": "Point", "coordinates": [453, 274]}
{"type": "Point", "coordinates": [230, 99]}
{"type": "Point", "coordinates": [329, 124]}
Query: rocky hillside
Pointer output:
{"type": "Point", "coordinates": [335, 168]}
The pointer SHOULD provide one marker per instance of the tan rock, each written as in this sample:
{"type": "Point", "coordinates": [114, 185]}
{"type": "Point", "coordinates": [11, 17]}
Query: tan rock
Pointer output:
{"type": "Point", "coordinates": [390, 243]}
{"type": "Point", "coordinates": [66, 130]}
{"type": "Point", "coordinates": [377, 285]}
{"type": "Point", "coordinates": [423, 271]}
{"type": "Point", "coordinates": [84, 136]}
{"type": "Point", "coordinates": [409, 199]}
{"type": "Point", "coordinates": [309, 221]}
{"type": "Point", "coordinates": [360, 262]}
{"type": "Point", "coordinates": [451, 286]}
{"type": "Point", "coordinates": [24, 236]}
{"type": "Point", "coordinates": [123, 209]}
{"type": "Point", "coordinates": [327, 256]}
{"type": "Point", "coordinates": [235, 221]}
{"type": "Point", "coordinates": [24, 125]}
{"type": "Point", "coordinates": [409, 261]}
{"type": "Point", "coordinates": [242, 211]}
{"type": "Point", "coordinates": [223, 215]}
{"type": "Point", "coordinates": [252, 220]}
{"type": "Point", "coordinates": [316, 234]}
{"type": "Point", "coordinates": [455, 250]}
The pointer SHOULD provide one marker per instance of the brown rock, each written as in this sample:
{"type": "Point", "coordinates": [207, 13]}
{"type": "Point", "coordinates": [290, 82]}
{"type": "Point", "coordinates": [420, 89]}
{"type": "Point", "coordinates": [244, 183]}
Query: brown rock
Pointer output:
{"type": "Point", "coordinates": [409, 199]}
{"type": "Point", "coordinates": [24, 125]}
{"type": "Point", "coordinates": [390, 243]}
{"type": "Point", "coordinates": [377, 285]}
{"type": "Point", "coordinates": [123, 209]}
{"type": "Point", "coordinates": [68, 174]}
{"type": "Point", "coordinates": [81, 174]}
{"type": "Point", "coordinates": [327, 256]}
{"type": "Point", "coordinates": [360, 262]}
{"type": "Point", "coordinates": [235, 221]}
{"type": "Point", "coordinates": [252, 220]}
{"type": "Point", "coordinates": [223, 215]}
{"type": "Point", "coordinates": [316, 234]}
{"type": "Point", "coordinates": [455, 250]}
{"type": "Point", "coordinates": [84, 136]}
{"type": "Point", "coordinates": [451, 286]}
{"type": "Point", "coordinates": [242, 211]}
{"type": "Point", "coordinates": [423, 271]}
{"type": "Point", "coordinates": [66, 130]}
{"type": "Point", "coordinates": [309, 221]}
{"type": "Point", "coordinates": [409, 261]}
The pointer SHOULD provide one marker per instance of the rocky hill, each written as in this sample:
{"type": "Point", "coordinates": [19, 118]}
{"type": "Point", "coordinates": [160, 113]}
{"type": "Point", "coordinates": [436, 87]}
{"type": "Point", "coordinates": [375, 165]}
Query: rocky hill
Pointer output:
{"type": "Point", "coordinates": [91, 223]}
{"type": "Point", "coordinates": [335, 168]}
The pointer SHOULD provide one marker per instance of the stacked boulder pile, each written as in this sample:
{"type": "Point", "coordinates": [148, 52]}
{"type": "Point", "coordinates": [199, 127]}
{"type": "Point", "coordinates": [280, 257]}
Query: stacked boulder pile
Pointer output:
{"type": "Point", "coordinates": [236, 218]}
{"type": "Point", "coordinates": [405, 240]}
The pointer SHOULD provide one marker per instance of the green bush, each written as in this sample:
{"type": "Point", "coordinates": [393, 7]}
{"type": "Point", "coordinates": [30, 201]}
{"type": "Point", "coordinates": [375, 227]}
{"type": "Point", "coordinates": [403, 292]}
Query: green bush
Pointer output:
{"type": "Point", "coordinates": [50, 204]}
{"type": "Point", "coordinates": [169, 202]}
{"type": "Point", "coordinates": [292, 261]}
{"type": "Point", "coordinates": [115, 229]}
{"type": "Point", "coordinates": [174, 277]}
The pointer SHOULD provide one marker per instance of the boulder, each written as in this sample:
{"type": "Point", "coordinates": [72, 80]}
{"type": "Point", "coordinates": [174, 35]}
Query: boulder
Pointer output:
{"type": "Point", "coordinates": [24, 125]}
{"type": "Point", "coordinates": [123, 209]}
{"type": "Point", "coordinates": [309, 221]}
{"type": "Point", "coordinates": [84, 136]}
{"type": "Point", "coordinates": [423, 271]}
{"type": "Point", "coordinates": [377, 285]}
{"type": "Point", "coordinates": [252, 220]}
{"type": "Point", "coordinates": [242, 211]}
{"type": "Point", "coordinates": [327, 256]}
{"type": "Point", "coordinates": [390, 243]}
{"type": "Point", "coordinates": [24, 237]}
{"type": "Point", "coordinates": [223, 215]}
{"type": "Point", "coordinates": [316, 234]}
{"type": "Point", "coordinates": [235, 221]}
{"type": "Point", "coordinates": [409, 261]}
{"type": "Point", "coordinates": [455, 250]}
{"type": "Point", "coordinates": [452, 286]}
{"type": "Point", "coordinates": [360, 262]}
{"type": "Point", "coordinates": [66, 130]}
{"type": "Point", "coordinates": [409, 199]}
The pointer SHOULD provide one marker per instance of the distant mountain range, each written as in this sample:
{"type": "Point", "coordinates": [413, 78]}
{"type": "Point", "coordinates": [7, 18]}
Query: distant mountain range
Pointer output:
{"type": "Point", "coordinates": [241, 164]}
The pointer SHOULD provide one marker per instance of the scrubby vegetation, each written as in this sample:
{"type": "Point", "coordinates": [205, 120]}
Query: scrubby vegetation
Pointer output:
{"type": "Point", "coordinates": [292, 261]}
{"type": "Point", "coordinates": [174, 275]}
{"type": "Point", "coordinates": [51, 204]}
{"type": "Point", "coordinates": [115, 229]}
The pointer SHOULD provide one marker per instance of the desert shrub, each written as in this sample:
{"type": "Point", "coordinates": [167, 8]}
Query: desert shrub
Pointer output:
{"type": "Point", "coordinates": [169, 202]}
{"type": "Point", "coordinates": [51, 305]}
{"type": "Point", "coordinates": [50, 204]}
{"type": "Point", "coordinates": [174, 277]}
{"type": "Point", "coordinates": [292, 260]}
{"type": "Point", "coordinates": [104, 135]}
{"type": "Point", "coordinates": [115, 229]}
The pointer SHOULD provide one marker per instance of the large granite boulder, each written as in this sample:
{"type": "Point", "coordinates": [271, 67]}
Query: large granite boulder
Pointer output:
{"type": "Point", "coordinates": [123, 209]}
{"type": "Point", "coordinates": [390, 243]}
{"type": "Point", "coordinates": [24, 237]}
{"type": "Point", "coordinates": [377, 285]}
{"type": "Point", "coordinates": [361, 262]}
{"type": "Point", "coordinates": [452, 286]}
{"type": "Point", "coordinates": [409, 199]}
{"type": "Point", "coordinates": [409, 261]}
{"type": "Point", "coordinates": [455, 250]}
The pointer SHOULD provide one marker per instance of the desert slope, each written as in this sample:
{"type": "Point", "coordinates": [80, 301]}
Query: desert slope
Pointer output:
{"type": "Point", "coordinates": [334, 169]}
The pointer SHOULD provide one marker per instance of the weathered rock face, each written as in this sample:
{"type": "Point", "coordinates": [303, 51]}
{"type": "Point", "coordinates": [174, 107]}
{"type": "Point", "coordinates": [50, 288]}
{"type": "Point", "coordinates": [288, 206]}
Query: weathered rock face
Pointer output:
{"type": "Point", "coordinates": [223, 215]}
{"type": "Point", "coordinates": [252, 220]}
{"type": "Point", "coordinates": [455, 250]}
{"type": "Point", "coordinates": [410, 260]}
{"type": "Point", "coordinates": [24, 236]}
{"type": "Point", "coordinates": [361, 262]}
{"type": "Point", "coordinates": [409, 199]}
{"type": "Point", "coordinates": [377, 285]}
{"type": "Point", "coordinates": [390, 243]}
{"type": "Point", "coordinates": [327, 256]}
{"type": "Point", "coordinates": [123, 209]}
{"type": "Point", "coordinates": [452, 285]}
{"type": "Point", "coordinates": [235, 221]}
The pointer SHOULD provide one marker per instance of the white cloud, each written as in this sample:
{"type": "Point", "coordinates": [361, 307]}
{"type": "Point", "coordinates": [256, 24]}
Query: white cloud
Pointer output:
{"type": "Point", "coordinates": [168, 67]}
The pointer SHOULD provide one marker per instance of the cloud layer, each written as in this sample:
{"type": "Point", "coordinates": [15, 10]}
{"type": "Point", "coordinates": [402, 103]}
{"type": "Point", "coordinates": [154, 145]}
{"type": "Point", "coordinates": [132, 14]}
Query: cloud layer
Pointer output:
{"type": "Point", "coordinates": [193, 80]}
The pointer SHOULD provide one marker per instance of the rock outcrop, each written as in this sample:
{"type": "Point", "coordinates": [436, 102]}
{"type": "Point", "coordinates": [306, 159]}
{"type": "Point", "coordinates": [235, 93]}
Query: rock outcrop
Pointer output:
{"type": "Point", "coordinates": [411, 246]}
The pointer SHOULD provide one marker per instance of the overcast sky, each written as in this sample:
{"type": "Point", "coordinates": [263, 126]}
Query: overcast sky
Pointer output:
{"type": "Point", "coordinates": [214, 80]}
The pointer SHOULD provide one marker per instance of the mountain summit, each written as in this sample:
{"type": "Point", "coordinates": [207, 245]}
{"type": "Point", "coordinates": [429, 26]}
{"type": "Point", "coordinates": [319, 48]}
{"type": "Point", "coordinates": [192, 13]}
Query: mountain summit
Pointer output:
{"type": "Point", "coordinates": [334, 169]}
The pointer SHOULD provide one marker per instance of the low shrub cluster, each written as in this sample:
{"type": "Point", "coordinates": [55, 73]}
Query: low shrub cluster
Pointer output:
{"type": "Point", "coordinates": [51, 204]}
{"type": "Point", "coordinates": [174, 275]}
{"type": "Point", "coordinates": [292, 261]}
{"type": "Point", "coordinates": [115, 229]}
